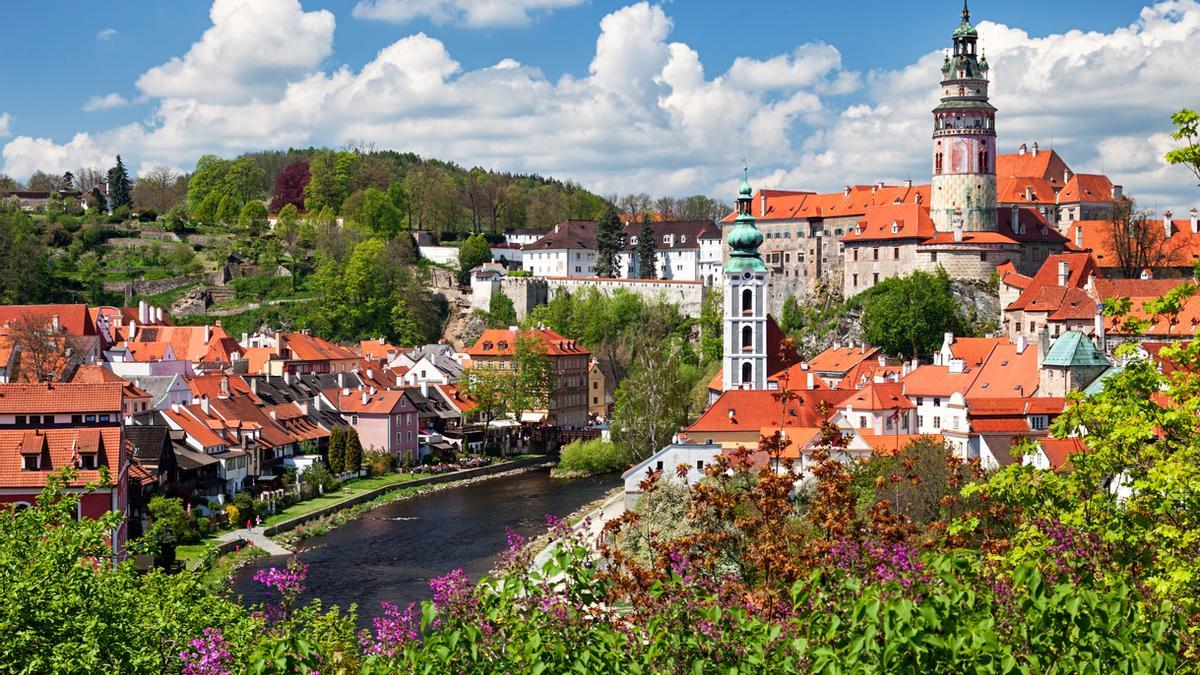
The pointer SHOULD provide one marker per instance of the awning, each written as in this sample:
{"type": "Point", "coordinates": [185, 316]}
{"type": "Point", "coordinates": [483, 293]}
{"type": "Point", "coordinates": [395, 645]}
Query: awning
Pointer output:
{"type": "Point", "coordinates": [533, 417]}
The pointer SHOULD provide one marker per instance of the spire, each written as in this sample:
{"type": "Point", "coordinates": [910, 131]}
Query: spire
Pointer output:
{"type": "Point", "coordinates": [744, 238]}
{"type": "Point", "coordinates": [966, 13]}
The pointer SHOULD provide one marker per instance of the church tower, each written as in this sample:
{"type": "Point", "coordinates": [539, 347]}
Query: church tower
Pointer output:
{"type": "Point", "coordinates": [745, 329]}
{"type": "Point", "coordinates": [964, 139]}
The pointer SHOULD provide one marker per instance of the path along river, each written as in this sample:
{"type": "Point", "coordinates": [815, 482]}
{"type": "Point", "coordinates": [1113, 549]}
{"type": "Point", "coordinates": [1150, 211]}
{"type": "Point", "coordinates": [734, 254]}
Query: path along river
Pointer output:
{"type": "Point", "coordinates": [389, 554]}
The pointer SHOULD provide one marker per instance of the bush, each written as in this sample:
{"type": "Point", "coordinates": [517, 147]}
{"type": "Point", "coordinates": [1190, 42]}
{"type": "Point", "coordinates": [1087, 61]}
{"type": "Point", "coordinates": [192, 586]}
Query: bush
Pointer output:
{"type": "Point", "coordinates": [319, 475]}
{"type": "Point", "coordinates": [379, 462]}
{"type": "Point", "coordinates": [594, 456]}
{"type": "Point", "coordinates": [245, 508]}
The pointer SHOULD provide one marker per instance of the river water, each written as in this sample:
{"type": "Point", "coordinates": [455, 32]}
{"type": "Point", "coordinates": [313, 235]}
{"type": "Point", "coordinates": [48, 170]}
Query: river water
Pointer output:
{"type": "Point", "coordinates": [390, 553]}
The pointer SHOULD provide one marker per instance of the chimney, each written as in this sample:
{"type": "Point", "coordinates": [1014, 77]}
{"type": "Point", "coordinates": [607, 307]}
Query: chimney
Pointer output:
{"type": "Point", "coordinates": [1101, 337]}
{"type": "Point", "coordinates": [142, 318]}
{"type": "Point", "coordinates": [207, 333]}
{"type": "Point", "coordinates": [1022, 150]}
{"type": "Point", "coordinates": [1078, 235]}
{"type": "Point", "coordinates": [1022, 344]}
{"type": "Point", "coordinates": [425, 389]}
{"type": "Point", "coordinates": [1028, 193]}
{"type": "Point", "coordinates": [204, 404]}
{"type": "Point", "coordinates": [882, 359]}
{"type": "Point", "coordinates": [762, 208]}
{"type": "Point", "coordinates": [811, 381]}
{"type": "Point", "coordinates": [287, 376]}
{"type": "Point", "coordinates": [132, 329]}
{"type": "Point", "coordinates": [370, 373]}
{"type": "Point", "coordinates": [365, 397]}
{"type": "Point", "coordinates": [1195, 223]}
{"type": "Point", "coordinates": [341, 379]}
{"type": "Point", "coordinates": [1015, 219]}
{"type": "Point", "coordinates": [174, 407]}
{"type": "Point", "coordinates": [907, 182]}
{"type": "Point", "coordinates": [246, 339]}
{"type": "Point", "coordinates": [845, 190]}
{"type": "Point", "coordinates": [54, 323]}
{"type": "Point", "coordinates": [1168, 224]}
{"type": "Point", "coordinates": [1064, 272]}
{"type": "Point", "coordinates": [1066, 176]}
{"type": "Point", "coordinates": [958, 230]}
{"type": "Point", "coordinates": [958, 366]}
{"type": "Point", "coordinates": [1146, 275]}
{"type": "Point", "coordinates": [254, 385]}
{"type": "Point", "coordinates": [1035, 149]}
{"type": "Point", "coordinates": [1043, 345]}
{"type": "Point", "coordinates": [274, 415]}
{"type": "Point", "coordinates": [224, 386]}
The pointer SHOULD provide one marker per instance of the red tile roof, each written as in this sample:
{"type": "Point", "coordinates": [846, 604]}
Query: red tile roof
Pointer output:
{"type": "Point", "coordinates": [1046, 164]}
{"type": "Point", "coordinates": [502, 342]}
{"type": "Point", "coordinates": [890, 444]}
{"type": "Point", "coordinates": [199, 425]}
{"type": "Point", "coordinates": [928, 380]}
{"type": "Point", "coordinates": [188, 342]}
{"type": "Point", "coordinates": [72, 319]}
{"type": "Point", "coordinates": [1006, 374]}
{"type": "Point", "coordinates": [310, 348]}
{"type": "Point", "coordinates": [456, 398]}
{"type": "Point", "coordinates": [211, 386]}
{"type": "Point", "coordinates": [1087, 187]}
{"type": "Point", "coordinates": [58, 447]}
{"type": "Point", "coordinates": [242, 409]}
{"type": "Point", "coordinates": [748, 410]}
{"type": "Point", "coordinates": [888, 396]}
{"type": "Point", "coordinates": [1010, 276]}
{"type": "Point", "coordinates": [841, 360]}
{"type": "Point", "coordinates": [97, 374]}
{"type": "Point", "coordinates": [44, 398]}
{"type": "Point", "coordinates": [1013, 190]}
{"type": "Point", "coordinates": [1182, 249]}
{"type": "Point", "coordinates": [1036, 297]}
{"type": "Point", "coordinates": [968, 238]}
{"type": "Point", "coordinates": [292, 419]}
{"type": "Point", "coordinates": [791, 205]}
{"type": "Point", "coordinates": [975, 350]}
{"type": "Point", "coordinates": [893, 221]}
{"type": "Point", "coordinates": [382, 402]}
{"type": "Point", "coordinates": [378, 349]}
{"type": "Point", "coordinates": [1059, 451]}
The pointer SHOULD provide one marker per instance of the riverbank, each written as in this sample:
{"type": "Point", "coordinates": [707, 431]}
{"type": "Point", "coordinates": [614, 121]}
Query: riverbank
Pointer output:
{"type": "Point", "coordinates": [593, 516]}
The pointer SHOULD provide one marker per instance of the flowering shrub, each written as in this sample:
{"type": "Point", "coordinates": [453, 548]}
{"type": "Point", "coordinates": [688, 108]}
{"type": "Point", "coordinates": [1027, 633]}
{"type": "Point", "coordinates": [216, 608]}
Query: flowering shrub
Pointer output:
{"type": "Point", "coordinates": [468, 462]}
{"type": "Point", "coordinates": [208, 655]}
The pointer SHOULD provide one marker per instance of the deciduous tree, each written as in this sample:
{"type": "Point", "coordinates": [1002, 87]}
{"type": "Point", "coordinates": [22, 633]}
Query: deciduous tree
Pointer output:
{"type": "Point", "coordinates": [157, 190]}
{"type": "Point", "coordinates": [1138, 244]}
{"type": "Point", "coordinates": [910, 315]}
{"type": "Point", "coordinates": [1187, 129]}
{"type": "Point", "coordinates": [290, 185]}
{"type": "Point", "coordinates": [474, 252]}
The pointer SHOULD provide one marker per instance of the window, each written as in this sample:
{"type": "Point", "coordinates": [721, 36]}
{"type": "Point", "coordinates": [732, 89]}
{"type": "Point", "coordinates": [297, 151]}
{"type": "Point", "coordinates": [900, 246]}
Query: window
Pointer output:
{"type": "Point", "coordinates": [983, 257]}
{"type": "Point", "coordinates": [855, 255]}
{"type": "Point", "coordinates": [889, 423]}
{"type": "Point", "coordinates": [896, 253]}
{"type": "Point", "coordinates": [933, 256]}
{"type": "Point", "coordinates": [920, 420]}
{"type": "Point", "coordinates": [699, 465]}
{"type": "Point", "coordinates": [937, 402]}
{"type": "Point", "coordinates": [747, 301]}
{"type": "Point", "coordinates": [410, 437]}
{"type": "Point", "coordinates": [875, 254]}
{"type": "Point", "coordinates": [354, 420]}
{"type": "Point", "coordinates": [658, 466]}
{"type": "Point", "coordinates": [595, 385]}
{"type": "Point", "coordinates": [103, 418]}
{"type": "Point", "coordinates": [87, 462]}
{"type": "Point", "coordinates": [1039, 422]}
{"type": "Point", "coordinates": [862, 421]}
{"type": "Point", "coordinates": [874, 278]}
{"type": "Point", "coordinates": [90, 419]}
{"type": "Point", "coordinates": [747, 338]}
{"type": "Point", "coordinates": [32, 462]}
{"type": "Point", "coordinates": [747, 373]}
{"type": "Point", "coordinates": [856, 281]}
{"type": "Point", "coordinates": [20, 419]}
{"type": "Point", "coordinates": [937, 423]}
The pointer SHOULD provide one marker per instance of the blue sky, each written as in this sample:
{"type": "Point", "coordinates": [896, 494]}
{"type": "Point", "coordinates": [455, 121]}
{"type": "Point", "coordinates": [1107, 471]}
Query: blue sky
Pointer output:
{"type": "Point", "coordinates": [854, 108]}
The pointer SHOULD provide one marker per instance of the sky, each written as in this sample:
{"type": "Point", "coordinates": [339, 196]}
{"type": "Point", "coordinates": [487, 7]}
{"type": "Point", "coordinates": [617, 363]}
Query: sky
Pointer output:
{"type": "Point", "coordinates": [668, 98]}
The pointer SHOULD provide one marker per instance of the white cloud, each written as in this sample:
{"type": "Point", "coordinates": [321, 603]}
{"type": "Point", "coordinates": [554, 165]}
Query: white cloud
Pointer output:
{"type": "Point", "coordinates": [473, 13]}
{"type": "Point", "coordinates": [5, 124]}
{"type": "Point", "coordinates": [106, 102]}
{"type": "Point", "coordinates": [647, 116]}
{"type": "Point", "coordinates": [252, 50]}
{"type": "Point", "coordinates": [107, 34]}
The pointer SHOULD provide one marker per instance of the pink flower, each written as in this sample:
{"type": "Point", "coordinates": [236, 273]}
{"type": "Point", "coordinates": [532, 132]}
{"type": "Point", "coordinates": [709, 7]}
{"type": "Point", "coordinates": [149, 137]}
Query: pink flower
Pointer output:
{"type": "Point", "coordinates": [209, 655]}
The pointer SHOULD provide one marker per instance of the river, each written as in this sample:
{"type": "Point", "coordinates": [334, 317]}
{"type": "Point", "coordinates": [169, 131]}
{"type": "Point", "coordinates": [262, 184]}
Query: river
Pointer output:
{"type": "Point", "coordinates": [390, 553]}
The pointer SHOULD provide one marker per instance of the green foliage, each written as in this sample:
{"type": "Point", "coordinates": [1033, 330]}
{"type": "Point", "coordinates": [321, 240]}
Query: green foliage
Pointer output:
{"type": "Point", "coordinates": [593, 456]}
{"type": "Point", "coordinates": [241, 180]}
{"type": "Point", "coordinates": [610, 240]}
{"type": "Point", "coordinates": [712, 315]}
{"type": "Point", "coordinates": [228, 210]}
{"type": "Point", "coordinates": [25, 275]}
{"type": "Point", "coordinates": [380, 214]}
{"type": "Point", "coordinates": [474, 252]}
{"type": "Point", "coordinates": [320, 476]}
{"type": "Point", "coordinates": [646, 250]}
{"type": "Point", "coordinates": [909, 315]}
{"type": "Point", "coordinates": [253, 218]}
{"type": "Point", "coordinates": [1187, 129]}
{"type": "Point", "coordinates": [501, 312]}
{"type": "Point", "coordinates": [177, 218]}
{"type": "Point", "coordinates": [120, 189]}
{"type": "Point", "coordinates": [337, 450]}
{"type": "Point", "coordinates": [655, 401]}
{"type": "Point", "coordinates": [354, 451]}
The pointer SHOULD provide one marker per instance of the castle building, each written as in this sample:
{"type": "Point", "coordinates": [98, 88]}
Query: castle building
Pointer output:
{"type": "Point", "coordinates": [964, 140]}
{"type": "Point", "coordinates": [745, 302]}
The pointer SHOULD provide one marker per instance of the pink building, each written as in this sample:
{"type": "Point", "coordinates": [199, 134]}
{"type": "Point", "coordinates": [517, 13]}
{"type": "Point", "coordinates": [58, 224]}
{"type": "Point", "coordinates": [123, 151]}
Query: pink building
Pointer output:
{"type": "Point", "coordinates": [385, 419]}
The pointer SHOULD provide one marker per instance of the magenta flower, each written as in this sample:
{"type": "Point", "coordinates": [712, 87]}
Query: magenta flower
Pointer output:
{"type": "Point", "coordinates": [453, 594]}
{"type": "Point", "coordinates": [209, 655]}
{"type": "Point", "coordinates": [392, 631]}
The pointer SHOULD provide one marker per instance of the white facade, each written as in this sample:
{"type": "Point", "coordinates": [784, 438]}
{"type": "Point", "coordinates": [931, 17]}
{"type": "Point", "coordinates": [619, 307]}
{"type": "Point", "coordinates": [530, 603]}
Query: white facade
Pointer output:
{"type": "Point", "coordinates": [560, 263]}
{"type": "Point", "coordinates": [666, 461]}
{"type": "Point", "coordinates": [745, 331]}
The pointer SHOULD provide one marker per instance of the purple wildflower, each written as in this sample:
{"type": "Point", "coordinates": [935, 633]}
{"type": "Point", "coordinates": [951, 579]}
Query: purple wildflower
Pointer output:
{"type": "Point", "coordinates": [208, 655]}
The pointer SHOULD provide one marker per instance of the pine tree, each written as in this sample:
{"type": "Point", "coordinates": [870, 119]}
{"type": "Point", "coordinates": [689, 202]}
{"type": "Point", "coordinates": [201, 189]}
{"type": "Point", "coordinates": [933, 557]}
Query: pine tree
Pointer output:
{"type": "Point", "coordinates": [120, 191]}
{"type": "Point", "coordinates": [609, 242]}
{"type": "Point", "coordinates": [647, 257]}
{"type": "Point", "coordinates": [337, 451]}
{"type": "Point", "coordinates": [354, 451]}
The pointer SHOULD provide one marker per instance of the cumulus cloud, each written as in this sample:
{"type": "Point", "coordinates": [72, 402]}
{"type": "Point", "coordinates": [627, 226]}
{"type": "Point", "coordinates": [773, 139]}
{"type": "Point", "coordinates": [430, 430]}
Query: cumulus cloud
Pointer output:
{"type": "Point", "coordinates": [5, 123]}
{"type": "Point", "coordinates": [106, 102]}
{"type": "Point", "coordinates": [252, 50]}
{"type": "Point", "coordinates": [647, 116]}
{"type": "Point", "coordinates": [473, 13]}
{"type": "Point", "coordinates": [107, 34]}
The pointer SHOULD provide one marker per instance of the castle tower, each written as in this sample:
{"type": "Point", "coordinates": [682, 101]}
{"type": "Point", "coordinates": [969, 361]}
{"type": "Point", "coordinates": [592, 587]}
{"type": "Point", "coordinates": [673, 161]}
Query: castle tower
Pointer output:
{"type": "Point", "coordinates": [964, 139]}
{"type": "Point", "coordinates": [745, 329]}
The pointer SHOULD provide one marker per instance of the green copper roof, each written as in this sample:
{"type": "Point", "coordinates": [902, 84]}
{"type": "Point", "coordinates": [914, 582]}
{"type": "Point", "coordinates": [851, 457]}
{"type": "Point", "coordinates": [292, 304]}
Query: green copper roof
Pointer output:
{"type": "Point", "coordinates": [1097, 385]}
{"type": "Point", "coordinates": [965, 29]}
{"type": "Point", "coordinates": [1074, 349]}
{"type": "Point", "coordinates": [744, 238]}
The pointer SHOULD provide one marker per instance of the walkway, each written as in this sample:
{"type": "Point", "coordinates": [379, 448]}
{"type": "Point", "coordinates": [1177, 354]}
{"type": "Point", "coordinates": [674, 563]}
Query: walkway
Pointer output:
{"type": "Point", "coordinates": [255, 537]}
{"type": "Point", "coordinates": [612, 508]}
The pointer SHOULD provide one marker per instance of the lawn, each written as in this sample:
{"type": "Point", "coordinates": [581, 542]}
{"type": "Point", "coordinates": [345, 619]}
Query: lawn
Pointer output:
{"type": "Point", "coordinates": [348, 490]}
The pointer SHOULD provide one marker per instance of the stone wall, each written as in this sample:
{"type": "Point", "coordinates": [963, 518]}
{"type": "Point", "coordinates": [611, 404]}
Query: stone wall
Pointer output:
{"type": "Point", "coordinates": [155, 286]}
{"type": "Point", "coordinates": [688, 295]}
{"type": "Point", "coordinates": [525, 293]}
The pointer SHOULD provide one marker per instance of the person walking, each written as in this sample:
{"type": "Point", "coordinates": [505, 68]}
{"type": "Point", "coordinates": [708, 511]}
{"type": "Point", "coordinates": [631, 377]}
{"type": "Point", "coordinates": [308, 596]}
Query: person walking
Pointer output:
{"type": "Point", "coordinates": [258, 521]}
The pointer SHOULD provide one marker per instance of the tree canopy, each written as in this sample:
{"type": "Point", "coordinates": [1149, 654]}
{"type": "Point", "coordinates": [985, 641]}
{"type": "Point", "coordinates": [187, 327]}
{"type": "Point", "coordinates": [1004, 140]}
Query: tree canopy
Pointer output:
{"type": "Point", "coordinates": [908, 316]}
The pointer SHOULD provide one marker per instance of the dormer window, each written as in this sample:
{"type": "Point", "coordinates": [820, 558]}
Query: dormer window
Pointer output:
{"type": "Point", "coordinates": [31, 462]}
{"type": "Point", "coordinates": [87, 462]}
{"type": "Point", "coordinates": [487, 346]}
{"type": "Point", "coordinates": [895, 227]}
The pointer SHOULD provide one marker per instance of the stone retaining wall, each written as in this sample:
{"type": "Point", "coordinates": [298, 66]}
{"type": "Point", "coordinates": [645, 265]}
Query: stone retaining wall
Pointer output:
{"type": "Point", "coordinates": [293, 523]}
{"type": "Point", "coordinates": [155, 286]}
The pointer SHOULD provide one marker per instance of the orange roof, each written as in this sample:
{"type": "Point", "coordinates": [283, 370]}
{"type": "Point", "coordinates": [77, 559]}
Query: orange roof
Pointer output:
{"type": "Point", "coordinates": [188, 342]}
{"type": "Point", "coordinates": [1014, 190]}
{"type": "Point", "coordinates": [1184, 324]}
{"type": "Point", "coordinates": [866, 372]}
{"type": "Point", "coordinates": [309, 348]}
{"type": "Point", "coordinates": [893, 221]}
{"type": "Point", "coordinates": [1059, 450]}
{"type": "Point", "coordinates": [879, 396]}
{"type": "Point", "coordinates": [382, 402]}
{"type": "Point", "coordinates": [58, 447]}
{"type": "Point", "coordinates": [795, 375]}
{"type": "Point", "coordinates": [198, 425]}
{"type": "Point", "coordinates": [974, 350]}
{"type": "Point", "coordinates": [257, 358]}
{"type": "Point", "coordinates": [968, 238]}
{"type": "Point", "coordinates": [377, 349]}
{"type": "Point", "coordinates": [46, 398]}
{"type": "Point", "coordinates": [144, 352]}
{"type": "Point", "coordinates": [1037, 298]}
{"type": "Point", "coordinates": [1046, 164]}
{"type": "Point", "coordinates": [791, 205]}
{"type": "Point", "coordinates": [1133, 288]}
{"type": "Point", "coordinates": [1011, 277]}
{"type": "Point", "coordinates": [1181, 249]}
{"type": "Point", "coordinates": [502, 342]}
{"type": "Point", "coordinates": [72, 319]}
{"type": "Point", "coordinates": [1029, 226]}
{"type": "Point", "coordinates": [292, 419]}
{"type": "Point", "coordinates": [751, 410]}
{"type": "Point", "coordinates": [796, 438]}
{"type": "Point", "coordinates": [97, 374]}
{"type": "Point", "coordinates": [1087, 187]}
{"type": "Point", "coordinates": [841, 359]}
{"type": "Point", "coordinates": [1006, 374]}
{"type": "Point", "coordinates": [927, 380]}
{"type": "Point", "coordinates": [211, 386]}
{"type": "Point", "coordinates": [243, 409]}
{"type": "Point", "coordinates": [457, 399]}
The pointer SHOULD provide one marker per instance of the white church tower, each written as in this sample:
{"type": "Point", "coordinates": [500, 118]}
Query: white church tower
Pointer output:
{"type": "Point", "coordinates": [745, 336]}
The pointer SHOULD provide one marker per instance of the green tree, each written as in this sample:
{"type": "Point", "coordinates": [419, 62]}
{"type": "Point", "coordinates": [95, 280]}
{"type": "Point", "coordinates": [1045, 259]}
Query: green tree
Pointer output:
{"type": "Point", "coordinates": [654, 402]}
{"type": "Point", "coordinates": [489, 389]}
{"type": "Point", "coordinates": [610, 241]}
{"type": "Point", "coordinates": [91, 274]}
{"type": "Point", "coordinates": [207, 178]}
{"type": "Point", "coordinates": [287, 231]}
{"type": "Point", "coordinates": [354, 451]}
{"type": "Point", "coordinates": [243, 180]}
{"type": "Point", "coordinates": [1187, 129]}
{"type": "Point", "coordinates": [120, 189]}
{"type": "Point", "coordinates": [909, 315]}
{"type": "Point", "coordinates": [712, 316]}
{"type": "Point", "coordinates": [227, 211]}
{"type": "Point", "coordinates": [534, 381]}
{"type": "Point", "coordinates": [336, 455]}
{"type": "Point", "coordinates": [501, 312]}
{"type": "Point", "coordinates": [474, 252]}
{"type": "Point", "coordinates": [176, 219]}
{"type": "Point", "coordinates": [253, 218]}
{"type": "Point", "coordinates": [406, 326]}
{"type": "Point", "coordinates": [323, 190]}
{"type": "Point", "coordinates": [647, 250]}
{"type": "Point", "coordinates": [380, 215]}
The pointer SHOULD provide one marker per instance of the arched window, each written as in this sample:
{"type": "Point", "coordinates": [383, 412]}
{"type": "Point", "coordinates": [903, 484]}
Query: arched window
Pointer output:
{"type": "Point", "coordinates": [747, 338]}
{"type": "Point", "coordinates": [747, 301]}
{"type": "Point", "coordinates": [747, 374]}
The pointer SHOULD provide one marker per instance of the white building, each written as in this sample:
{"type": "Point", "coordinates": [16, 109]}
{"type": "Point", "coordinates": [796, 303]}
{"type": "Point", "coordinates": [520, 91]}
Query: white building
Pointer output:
{"type": "Point", "coordinates": [697, 457]}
